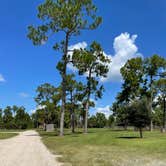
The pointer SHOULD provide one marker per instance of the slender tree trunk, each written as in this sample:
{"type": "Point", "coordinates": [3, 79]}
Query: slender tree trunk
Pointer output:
{"type": "Point", "coordinates": [86, 117]}
{"type": "Point", "coordinates": [151, 102]}
{"type": "Point", "coordinates": [73, 121]}
{"type": "Point", "coordinates": [164, 116]}
{"type": "Point", "coordinates": [63, 73]}
{"type": "Point", "coordinates": [87, 103]}
{"type": "Point", "coordinates": [140, 131]}
{"type": "Point", "coordinates": [125, 125]}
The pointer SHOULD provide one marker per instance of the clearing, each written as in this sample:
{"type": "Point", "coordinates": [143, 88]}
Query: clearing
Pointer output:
{"type": "Point", "coordinates": [104, 147]}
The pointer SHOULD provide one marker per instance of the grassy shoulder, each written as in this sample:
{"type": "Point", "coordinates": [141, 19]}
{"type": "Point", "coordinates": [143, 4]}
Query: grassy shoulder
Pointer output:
{"type": "Point", "coordinates": [104, 147]}
{"type": "Point", "coordinates": [11, 130]}
{"type": "Point", "coordinates": [6, 135]}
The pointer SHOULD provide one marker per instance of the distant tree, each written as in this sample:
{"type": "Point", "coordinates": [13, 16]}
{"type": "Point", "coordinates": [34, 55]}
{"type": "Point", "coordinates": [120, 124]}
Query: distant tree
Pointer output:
{"type": "Point", "coordinates": [48, 98]}
{"type": "Point", "coordinates": [74, 92]}
{"type": "Point", "coordinates": [8, 118]}
{"type": "Point", "coordinates": [153, 66]}
{"type": "Point", "coordinates": [1, 119]}
{"type": "Point", "coordinates": [132, 73]}
{"type": "Point", "coordinates": [101, 120]}
{"type": "Point", "coordinates": [68, 17]}
{"type": "Point", "coordinates": [93, 64]}
{"type": "Point", "coordinates": [22, 119]}
{"type": "Point", "coordinates": [120, 111]}
{"type": "Point", "coordinates": [92, 122]}
{"type": "Point", "coordinates": [161, 86]}
{"type": "Point", "coordinates": [158, 117]}
{"type": "Point", "coordinates": [111, 121]}
{"type": "Point", "coordinates": [39, 117]}
{"type": "Point", "coordinates": [139, 115]}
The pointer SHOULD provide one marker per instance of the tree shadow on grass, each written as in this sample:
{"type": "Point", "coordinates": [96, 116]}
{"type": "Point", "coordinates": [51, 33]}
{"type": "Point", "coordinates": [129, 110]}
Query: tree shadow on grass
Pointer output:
{"type": "Point", "coordinates": [128, 137]}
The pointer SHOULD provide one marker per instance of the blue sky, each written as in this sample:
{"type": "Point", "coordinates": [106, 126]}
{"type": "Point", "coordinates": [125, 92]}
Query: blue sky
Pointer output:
{"type": "Point", "coordinates": [129, 28]}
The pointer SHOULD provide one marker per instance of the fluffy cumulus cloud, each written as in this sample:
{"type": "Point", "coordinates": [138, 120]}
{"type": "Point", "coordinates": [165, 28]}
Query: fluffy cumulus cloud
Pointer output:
{"type": "Point", "coordinates": [105, 110]}
{"type": "Point", "coordinates": [23, 95]}
{"type": "Point", "coordinates": [2, 79]}
{"type": "Point", "coordinates": [124, 47]}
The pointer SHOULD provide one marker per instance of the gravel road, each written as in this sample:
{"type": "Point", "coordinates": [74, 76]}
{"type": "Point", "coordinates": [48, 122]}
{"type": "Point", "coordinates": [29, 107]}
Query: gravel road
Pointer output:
{"type": "Point", "coordinates": [26, 149]}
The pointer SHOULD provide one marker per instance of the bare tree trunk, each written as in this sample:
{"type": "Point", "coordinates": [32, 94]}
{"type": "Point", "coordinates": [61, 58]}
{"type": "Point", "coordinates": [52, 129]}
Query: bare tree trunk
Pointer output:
{"type": "Point", "coordinates": [63, 73]}
{"type": "Point", "coordinates": [151, 102]}
{"type": "Point", "coordinates": [73, 121]}
{"type": "Point", "coordinates": [87, 102]}
{"type": "Point", "coordinates": [86, 118]}
{"type": "Point", "coordinates": [140, 131]}
{"type": "Point", "coordinates": [164, 116]}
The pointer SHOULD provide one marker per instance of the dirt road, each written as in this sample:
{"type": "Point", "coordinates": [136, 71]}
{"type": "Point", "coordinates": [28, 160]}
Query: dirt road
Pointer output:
{"type": "Point", "coordinates": [25, 150]}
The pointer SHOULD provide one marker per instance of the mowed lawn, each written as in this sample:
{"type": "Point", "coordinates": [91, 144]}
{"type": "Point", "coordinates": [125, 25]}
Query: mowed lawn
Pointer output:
{"type": "Point", "coordinates": [5, 135]}
{"type": "Point", "coordinates": [104, 147]}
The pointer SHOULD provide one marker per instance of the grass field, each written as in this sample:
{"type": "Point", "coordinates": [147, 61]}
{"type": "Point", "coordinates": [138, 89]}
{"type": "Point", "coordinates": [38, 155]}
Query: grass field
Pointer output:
{"type": "Point", "coordinates": [103, 147]}
{"type": "Point", "coordinates": [6, 135]}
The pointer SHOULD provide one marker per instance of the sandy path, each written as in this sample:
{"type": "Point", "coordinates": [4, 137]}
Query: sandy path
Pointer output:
{"type": "Point", "coordinates": [25, 150]}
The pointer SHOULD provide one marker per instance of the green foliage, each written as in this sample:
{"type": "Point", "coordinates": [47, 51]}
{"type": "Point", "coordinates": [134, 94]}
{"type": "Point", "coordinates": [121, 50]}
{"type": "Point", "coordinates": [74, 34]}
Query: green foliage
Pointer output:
{"type": "Point", "coordinates": [139, 115]}
{"type": "Point", "coordinates": [8, 120]}
{"type": "Point", "coordinates": [158, 116]}
{"type": "Point", "coordinates": [101, 120]}
{"type": "Point", "coordinates": [97, 121]}
{"type": "Point", "coordinates": [92, 122]}
{"type": "Point", "coordinates": [48, 98]}
{"type": "Point", "coordinates": [22, 119]}
{"type": "Point", "coordinates": [111, 121]}
{"type": "Point", "coordinates": [141, 78]}
{"type": "Point", "coordinates": [132, 73]}
{"type": "Point", "coordinates": [69, 17]}
{"type": "Point", "coordinates": [60, 16]}
{"type": "Point", "coordinates": [15, 118]}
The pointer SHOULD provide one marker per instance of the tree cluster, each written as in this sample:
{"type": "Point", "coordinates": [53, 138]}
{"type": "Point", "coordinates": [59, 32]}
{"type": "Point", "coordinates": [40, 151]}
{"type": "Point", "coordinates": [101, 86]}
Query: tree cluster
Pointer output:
{"type": "Point", "coordinates": [70, 18]}
{"type": "Point", "coordinates": [143, 93]}
{"type": "Point", "coordinates": [15, 118]}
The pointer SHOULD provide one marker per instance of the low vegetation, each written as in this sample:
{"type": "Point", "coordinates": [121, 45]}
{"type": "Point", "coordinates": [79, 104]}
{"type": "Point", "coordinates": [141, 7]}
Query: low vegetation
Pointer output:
{"type": "Point", "coordinates": [105, 147]}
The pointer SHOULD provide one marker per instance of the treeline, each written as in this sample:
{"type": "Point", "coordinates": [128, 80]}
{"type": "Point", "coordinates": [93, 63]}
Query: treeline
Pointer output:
{"type": "Point", "coordinates": [142, 101]}
{"type": "Point", "coordinates": [15, 118]}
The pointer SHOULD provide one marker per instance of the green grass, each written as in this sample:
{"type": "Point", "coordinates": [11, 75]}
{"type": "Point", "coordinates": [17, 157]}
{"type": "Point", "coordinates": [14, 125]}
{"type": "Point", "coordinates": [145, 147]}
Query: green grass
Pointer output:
{"type": "Point", "coordinates": [6, 135]}
{"type": "Point", "coordinates": [103, 147]}
{"type": "Point", "coordinates": [11, 130]}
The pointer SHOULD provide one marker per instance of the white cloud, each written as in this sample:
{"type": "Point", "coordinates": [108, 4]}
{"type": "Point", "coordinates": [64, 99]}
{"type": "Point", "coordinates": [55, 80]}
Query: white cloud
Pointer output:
{"type": "Point", "coordinates": [125, 49]}
{"type": "Point", "coordinates": [105, 110]}
{"type": "Point", "coordinates": [24, 95]}
{"type": "Point", "coordinates": [2, 79]}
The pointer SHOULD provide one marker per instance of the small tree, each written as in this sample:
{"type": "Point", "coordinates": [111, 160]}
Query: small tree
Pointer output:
{"type": "Point", "coordinates": [139, 115]}
{"type": "Point", "coordinates": [111, 121]}
{"type": "Point", "coordinates": [74, 90]}
{"type": "Point", "coordinates": [93, 64]}
{"type": "Point", "coordinates": [101, 120]}
{"type": "Point", "coordinates": [22, 119]}
{"type": "Point", "coordinates": [8, 117]}
{"type": "Point", "coordinates": [48, 97]}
